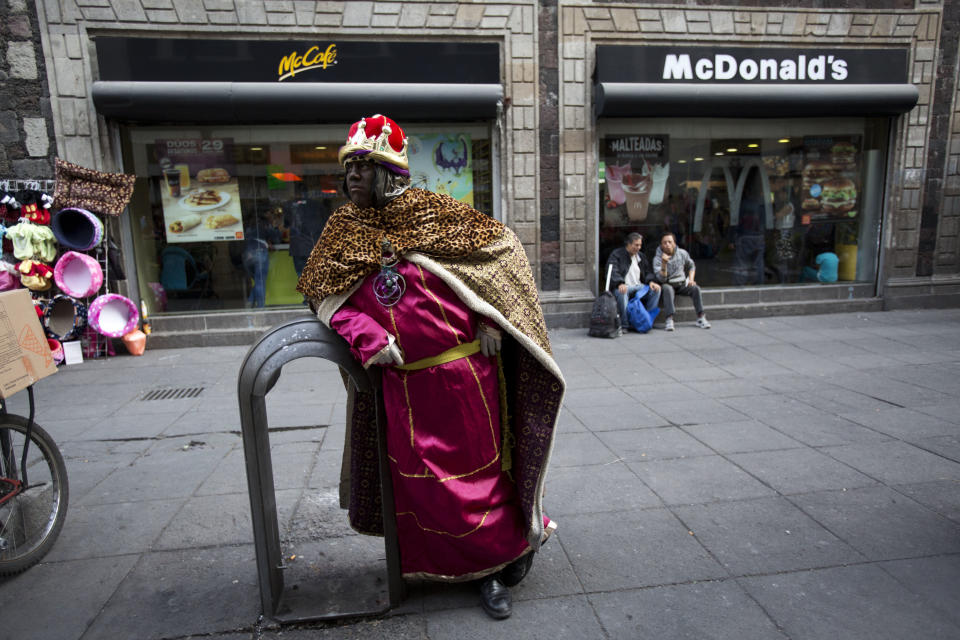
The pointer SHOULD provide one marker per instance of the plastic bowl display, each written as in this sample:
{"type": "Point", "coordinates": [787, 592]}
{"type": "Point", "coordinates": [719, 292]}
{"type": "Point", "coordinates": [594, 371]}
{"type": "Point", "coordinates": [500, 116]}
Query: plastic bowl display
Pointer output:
{"type": "Point", "coordinates": [77, 228]}
{"type": "Point", "coordinates": [64, 318]}
{"type": "Point", "coordinates": [78, 275]}
{"type": "Point", "coordinates": [113, 315]}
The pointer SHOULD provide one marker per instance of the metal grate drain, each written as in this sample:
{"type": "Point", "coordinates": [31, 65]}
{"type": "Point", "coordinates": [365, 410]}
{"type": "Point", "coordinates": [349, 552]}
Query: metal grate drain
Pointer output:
{"type": "Point", "coordinates": [172, 394]}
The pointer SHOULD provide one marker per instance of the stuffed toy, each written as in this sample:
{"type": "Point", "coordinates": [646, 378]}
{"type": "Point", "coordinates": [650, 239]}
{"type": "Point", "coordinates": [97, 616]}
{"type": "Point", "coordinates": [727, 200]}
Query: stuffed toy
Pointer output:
{"type": "Point", "coordinates": [35, 276]}
{"type": "Point", "coordinates": [35, 206]}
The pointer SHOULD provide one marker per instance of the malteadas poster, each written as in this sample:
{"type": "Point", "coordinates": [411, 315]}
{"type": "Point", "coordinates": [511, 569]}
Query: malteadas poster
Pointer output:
{"type": "Point", "coordinates": [636, 167]}
{"type": "Point", "coordinates": [198, 189]}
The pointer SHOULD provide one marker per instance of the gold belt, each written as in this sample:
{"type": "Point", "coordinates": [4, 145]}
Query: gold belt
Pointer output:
{"type": "Point", "coordinates": [462, 351]}
{"type": "Point", "coordinates": [454, 353]}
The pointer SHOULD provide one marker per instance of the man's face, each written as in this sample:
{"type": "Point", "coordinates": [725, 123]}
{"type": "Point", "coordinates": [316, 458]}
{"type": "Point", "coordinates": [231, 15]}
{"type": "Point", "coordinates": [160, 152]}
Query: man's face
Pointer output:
{"type": "Point", "coordinates": [359, 181]}
{"type": "Point", "coordinates": [634, 247]}
{"type": "Point", "coordinates": [668, 244]}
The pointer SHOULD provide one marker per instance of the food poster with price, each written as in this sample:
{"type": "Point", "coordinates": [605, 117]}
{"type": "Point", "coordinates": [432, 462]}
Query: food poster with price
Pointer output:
{"type": "Point", "coordinates": [199, 192]}
{"type": "Point", "coordinates": [830, 178]}
{"type": "Point", "coordinates": [636, 168]}
{"type": "Point", "coordinates": [442, 163]}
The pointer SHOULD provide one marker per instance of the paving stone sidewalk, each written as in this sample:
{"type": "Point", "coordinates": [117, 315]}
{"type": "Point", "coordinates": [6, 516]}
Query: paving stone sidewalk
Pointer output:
{"type": "Point", "coordinates": [791, 477]}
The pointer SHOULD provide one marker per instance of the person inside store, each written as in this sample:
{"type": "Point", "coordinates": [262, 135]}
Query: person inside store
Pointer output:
{"type": "Point", "coordinates": [817, 238]}
{"type": "Point", "coordinates": [749, 244]}
{"type": "Point", "coordinates": [630, 271]}
{"type": "Point", "coordinates": [706, 243]}
{"type": "Point", "coordinates": [441, 297]}
{"type": "Point", "coordinates": [259, 236]}
{"type": "Point", "coordinates": [826, 271]}
{"type": "Point", "coordinates": [784, 256]}
{"type": "Point", "coordinates": [676, 272]}
{"type": "Point", "coordinates": [304, 218]}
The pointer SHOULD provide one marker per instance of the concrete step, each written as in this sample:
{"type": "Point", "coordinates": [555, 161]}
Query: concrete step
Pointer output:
{"type": "Point", "coordinates": [216, 329]}
{"type": "Point", "coordinates": [243, 327]}
{"type": "Point", "coordinates": [759, 310]}
{"type": "Point", "coordinates": [740, 302]}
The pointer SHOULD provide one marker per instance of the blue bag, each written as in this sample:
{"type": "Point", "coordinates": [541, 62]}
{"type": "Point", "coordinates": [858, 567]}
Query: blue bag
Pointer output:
{"type": "Point", "coordinates": [637, 315]}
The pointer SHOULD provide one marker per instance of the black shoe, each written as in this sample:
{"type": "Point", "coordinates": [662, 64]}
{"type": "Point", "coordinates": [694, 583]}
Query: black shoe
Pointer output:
{"type": "Point", "coordinates": [517, 570]}
{"type": "Point", "coordinates": [495, 598]}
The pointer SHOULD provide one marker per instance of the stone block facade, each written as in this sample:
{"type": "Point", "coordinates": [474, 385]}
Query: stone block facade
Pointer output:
{"type": "Point", "coordinates": [947, 258]}
{"type": "Point", "coordinates": [917, 26]}
{"type": "Point", "coordinates": [80, 133]}
{"type": "Point", "coordinates": [26, 137]}
{"type": "Point", "coordinates": [547, 134]}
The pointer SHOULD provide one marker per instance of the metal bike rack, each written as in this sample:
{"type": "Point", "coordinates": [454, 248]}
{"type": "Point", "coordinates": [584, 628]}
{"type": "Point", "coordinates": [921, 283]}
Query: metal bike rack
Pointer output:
{"type": "Point", "coordinates": [301, 338]}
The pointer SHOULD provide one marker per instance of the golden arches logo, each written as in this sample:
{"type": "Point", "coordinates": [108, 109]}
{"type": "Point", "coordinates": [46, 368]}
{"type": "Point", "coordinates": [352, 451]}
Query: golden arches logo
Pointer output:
{"type": "Point", "coordinates": [312, 58]}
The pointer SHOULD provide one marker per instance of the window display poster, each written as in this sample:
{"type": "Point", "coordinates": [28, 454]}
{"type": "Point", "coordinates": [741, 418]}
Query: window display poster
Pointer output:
{"type": "Point", "coordinates": [831, 172]}
{"type": "Point", "coordinates": [442, 163]}
{"type": "Point", "coordinates": [198, 190]}
{"type": "Point", "coordinates": [636, 171]}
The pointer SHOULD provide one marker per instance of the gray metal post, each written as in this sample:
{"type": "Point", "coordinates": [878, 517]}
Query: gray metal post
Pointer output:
{"type": "Point", "coordinates": [300, 338]}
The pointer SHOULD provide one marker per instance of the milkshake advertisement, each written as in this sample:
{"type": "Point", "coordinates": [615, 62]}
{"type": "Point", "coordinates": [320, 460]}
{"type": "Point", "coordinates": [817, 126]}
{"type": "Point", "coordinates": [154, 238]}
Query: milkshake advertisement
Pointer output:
{"type": "Point", "coordinates": [442, 163]}
{"type": "Point", "coordinates": [636, 171]}
{"type": "Point", "coordinates": [199, 192]}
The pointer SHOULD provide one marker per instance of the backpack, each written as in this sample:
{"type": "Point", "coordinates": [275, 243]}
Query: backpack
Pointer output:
{"type": "Point", "coordinates": [604, 318]}
{"type": "Point", "coordinates": [637, 315]}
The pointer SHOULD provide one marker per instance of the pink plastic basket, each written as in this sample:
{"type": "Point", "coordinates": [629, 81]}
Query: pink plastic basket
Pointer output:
{"type": "Point", "coordinates": [113, 315]}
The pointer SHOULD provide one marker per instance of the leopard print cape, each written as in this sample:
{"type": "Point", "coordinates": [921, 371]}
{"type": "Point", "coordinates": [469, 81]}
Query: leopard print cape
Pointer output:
{"type": "Point", "coordinates": [417, 220]}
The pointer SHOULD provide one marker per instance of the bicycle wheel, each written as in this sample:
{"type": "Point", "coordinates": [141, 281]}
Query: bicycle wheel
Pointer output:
{"type": "Point", "coordinates": [30, 521]}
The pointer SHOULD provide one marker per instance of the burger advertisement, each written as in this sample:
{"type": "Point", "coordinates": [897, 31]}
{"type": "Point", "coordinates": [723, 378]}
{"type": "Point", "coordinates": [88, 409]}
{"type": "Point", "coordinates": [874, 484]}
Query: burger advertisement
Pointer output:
{"type": "Point", "coordinates": [830, 172]}
{"type": "Point", "coordinates": [198, 190]}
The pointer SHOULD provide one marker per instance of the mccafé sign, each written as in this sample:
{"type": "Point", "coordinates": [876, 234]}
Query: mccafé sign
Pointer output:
{"type": "Point", "coordinates": [307, 61]}
{"type": "Point", "coordinates": [314, 57]}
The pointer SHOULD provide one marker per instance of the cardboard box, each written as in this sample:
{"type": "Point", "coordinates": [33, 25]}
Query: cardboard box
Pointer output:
{"type": "Point", "coordinates": [25, 355]}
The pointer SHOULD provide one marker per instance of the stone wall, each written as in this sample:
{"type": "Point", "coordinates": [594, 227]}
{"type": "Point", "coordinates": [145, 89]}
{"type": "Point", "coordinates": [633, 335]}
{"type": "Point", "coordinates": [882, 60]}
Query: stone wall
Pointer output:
{"type": "Point", "coordinates": [81, 136]}
{"type": "Point", "coordinates": [947, 248]}
{"type": "Point", "coordinates": [548, 164]}
{"type": "Point", "coordinates": [26, 134]}
{"type": "Point", "coordinates": [585, 24]}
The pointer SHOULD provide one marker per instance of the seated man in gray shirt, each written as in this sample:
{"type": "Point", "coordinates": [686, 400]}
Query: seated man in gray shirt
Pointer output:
{"type": "Point", "coordinates": [674, 269]}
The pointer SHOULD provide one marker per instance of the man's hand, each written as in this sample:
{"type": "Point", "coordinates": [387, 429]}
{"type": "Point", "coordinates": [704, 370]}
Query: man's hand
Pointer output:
{"type": "Point", "coordinates": [654, 286]}
{"type": "Point", "coordinates": [622, 289]}
{"type": "Point", "coordinates": [690, 279]}
{"type": "Point", "coordinates": [490, 339]}
{"type": "Point", "coordinates": [389, 355]}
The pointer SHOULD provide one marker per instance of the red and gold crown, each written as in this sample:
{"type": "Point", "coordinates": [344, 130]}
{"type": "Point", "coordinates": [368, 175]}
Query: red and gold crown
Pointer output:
{"type": "Point", "coordinates": [380, 139]}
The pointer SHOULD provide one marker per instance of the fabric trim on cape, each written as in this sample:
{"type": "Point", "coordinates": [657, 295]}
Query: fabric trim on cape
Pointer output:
{"type": "Point", "coordinates": [542, 357]}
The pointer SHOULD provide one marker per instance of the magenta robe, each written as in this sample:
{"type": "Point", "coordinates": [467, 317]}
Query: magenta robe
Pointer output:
{"type": "Point", "coordinates": [458, 515]}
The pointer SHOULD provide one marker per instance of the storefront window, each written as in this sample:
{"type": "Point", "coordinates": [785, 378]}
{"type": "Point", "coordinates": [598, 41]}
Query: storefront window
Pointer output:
{"type": "Point", "coordinates": [224, 218]}
{"type": "Point", "coordinates": [754, 202]}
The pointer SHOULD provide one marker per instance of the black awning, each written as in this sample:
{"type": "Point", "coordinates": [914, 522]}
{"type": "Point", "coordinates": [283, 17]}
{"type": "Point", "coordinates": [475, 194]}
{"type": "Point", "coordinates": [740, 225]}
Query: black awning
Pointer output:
{"type": "Point", "coordinates": [271, 102]}
{"type": "Point", "coordinates": [638, 99]}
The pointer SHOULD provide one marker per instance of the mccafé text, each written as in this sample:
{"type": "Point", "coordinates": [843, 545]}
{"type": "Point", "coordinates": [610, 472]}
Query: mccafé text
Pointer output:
{"type": "Point", "coordinates": [723, 66]}
{"type": "Point", "coordinates": [313, 58]}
